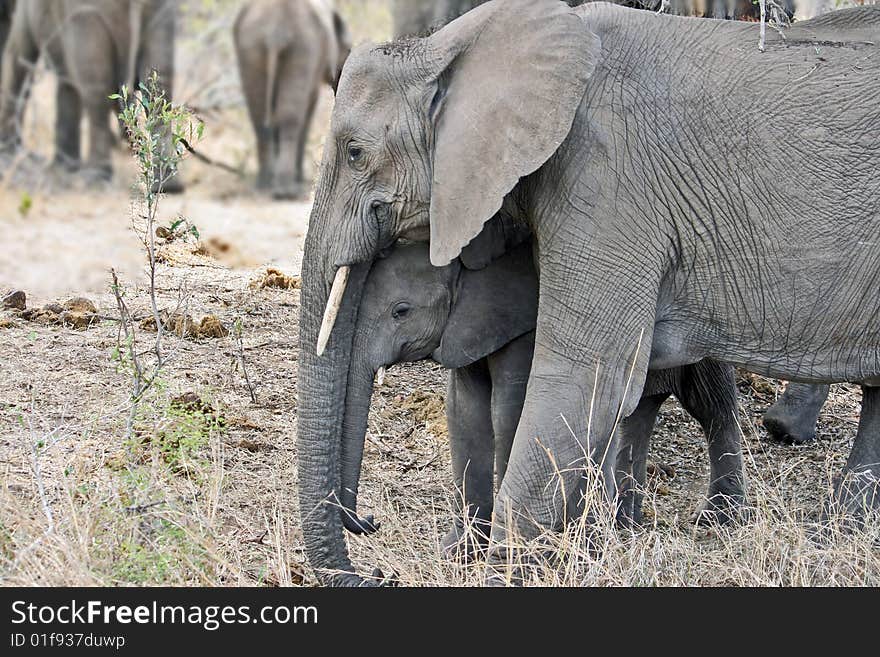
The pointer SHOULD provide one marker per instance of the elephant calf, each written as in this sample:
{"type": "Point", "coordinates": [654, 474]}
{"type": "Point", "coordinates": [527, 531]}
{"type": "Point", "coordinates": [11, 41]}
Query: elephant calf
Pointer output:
{"type": "Point", "coordinates": [286, 50]}
{"type": "Point", "coordinates": [481, 324]}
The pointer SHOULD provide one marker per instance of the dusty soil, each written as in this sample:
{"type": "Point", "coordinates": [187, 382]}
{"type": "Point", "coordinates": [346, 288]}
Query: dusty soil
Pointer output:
{"type": "Point", "coordinates": [66, 465]}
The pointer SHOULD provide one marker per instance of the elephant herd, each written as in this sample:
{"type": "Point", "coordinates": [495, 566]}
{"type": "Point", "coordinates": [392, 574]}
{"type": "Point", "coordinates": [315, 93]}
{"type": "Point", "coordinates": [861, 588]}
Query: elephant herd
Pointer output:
{"type": "Point", "coordinates": [286, 50]}
{"type": "Point", "coordinates": [580, 211]}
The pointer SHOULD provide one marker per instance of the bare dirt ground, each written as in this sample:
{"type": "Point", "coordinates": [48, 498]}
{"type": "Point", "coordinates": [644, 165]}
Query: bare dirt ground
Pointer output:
{"type": "Point", "coordinates": [203, 490]}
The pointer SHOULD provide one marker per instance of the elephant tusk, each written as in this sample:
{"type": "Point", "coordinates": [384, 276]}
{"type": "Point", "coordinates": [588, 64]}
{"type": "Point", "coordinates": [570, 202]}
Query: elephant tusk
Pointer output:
{"type": "Point", "coordinates": [334, 301]}
{"type": "Point", "coordinates": [380, 377]}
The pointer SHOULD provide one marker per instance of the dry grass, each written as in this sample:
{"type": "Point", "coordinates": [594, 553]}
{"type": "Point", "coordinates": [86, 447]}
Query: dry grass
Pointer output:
{"type": "Point", "coordinates": [206, 492]}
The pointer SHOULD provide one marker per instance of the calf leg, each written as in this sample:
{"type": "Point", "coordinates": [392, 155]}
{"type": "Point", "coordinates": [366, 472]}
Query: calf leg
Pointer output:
{"type": "Point", "coordinates": [509, 368]}
{"type": "Point", "coordinates": [632, 457]}
{"type": "Point", "coordinates": [708, 393]}
{"type": "Point", "coordinates": [469, 417]}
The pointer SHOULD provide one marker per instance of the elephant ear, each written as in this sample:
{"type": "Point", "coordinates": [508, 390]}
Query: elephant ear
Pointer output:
{"type": "Point", "coordinates": [491, 307]}
{"type": "Point", "coordinates": [510, 77]}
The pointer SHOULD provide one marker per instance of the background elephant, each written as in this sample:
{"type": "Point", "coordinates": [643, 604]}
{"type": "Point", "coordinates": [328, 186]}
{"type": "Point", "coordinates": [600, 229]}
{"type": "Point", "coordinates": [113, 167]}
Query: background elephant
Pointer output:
{"type": "Point", "coordinates": [286, 50]}
{"type": "Point", "coordinates": [481, 324]}
{"type": "Point", "coordinates": [418, 17]}
{"type": "Point", "coordinates": [770, 282]}
{"type": "Point", "coordinates": [94, 47]}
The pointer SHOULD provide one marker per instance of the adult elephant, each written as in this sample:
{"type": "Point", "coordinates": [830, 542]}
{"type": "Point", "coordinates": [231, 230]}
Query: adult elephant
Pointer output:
{"type": "Point", "coordinates": [287, 49]}
{"type": "Point", "coordinates": [671, 223]}
{"type": "Point", "coordinates": [793, 417]}
{"type": "Point", "coordinates": [94, 47]}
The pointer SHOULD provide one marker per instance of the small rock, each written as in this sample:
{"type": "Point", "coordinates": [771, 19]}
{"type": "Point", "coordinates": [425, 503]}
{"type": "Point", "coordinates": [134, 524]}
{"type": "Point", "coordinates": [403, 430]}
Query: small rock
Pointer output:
{"type": "Point", "coordinates": [14, 301]}
{"type": "Point", "coordinates": [6, 323]}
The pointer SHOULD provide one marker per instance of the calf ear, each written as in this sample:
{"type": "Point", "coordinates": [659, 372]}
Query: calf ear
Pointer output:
{"type": "Point", "coordinates": [491, 307]}
{"type": "Point", "coordinates": [510, 76]}
{"type": "Point", "coordinates": [500, 235]}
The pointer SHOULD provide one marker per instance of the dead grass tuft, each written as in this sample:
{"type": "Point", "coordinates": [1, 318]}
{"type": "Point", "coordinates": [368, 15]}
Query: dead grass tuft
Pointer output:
{"type": "Point", "coordinates": [429, 408]}
{"type": "Point", "coordinates": [276, 278]}
{"type": "Point", "coordinates": [183, 325]}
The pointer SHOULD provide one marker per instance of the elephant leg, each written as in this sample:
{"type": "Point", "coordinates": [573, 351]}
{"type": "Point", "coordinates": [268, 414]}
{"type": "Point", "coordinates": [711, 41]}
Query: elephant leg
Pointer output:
{"type": "Point", "coordinates": [562, 461]}
{"type": "Point", "coordinates": [719, 9]}
{"type": "Point", "coordinates": [94, 73]}
{"type": "Point", "coordinates": [303, 141]}
{"type": "Point", "coordinates": [18, 58]}
{"type": "Point", "coordinates": [708, 392]}
{"type": "Point", "coordinates": [267, 138]}
{"type": "Point", "coordinates": [68, 115]}
{"type": "Point", "coordinates": [632, 459]}
{"type": "Point", "coordinates": [253, 69]}
{"type": "Point", "coordinates": [298, 81]}
{"type": "Point", "coordinates": [793, 417]}
{"type": "Point", "coordinates": [157, 54]}
{"type": "Point", "coordinates": [857, 493]}
{"type": "Point", "coordinates": [469, 417]}
{"type": "Point", "coordinates": [509, 368]}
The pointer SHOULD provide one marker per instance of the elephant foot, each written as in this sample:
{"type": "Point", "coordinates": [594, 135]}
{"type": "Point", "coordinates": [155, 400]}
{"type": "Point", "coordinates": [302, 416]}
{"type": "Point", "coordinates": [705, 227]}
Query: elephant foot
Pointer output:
{"type": "Point", "coordinates": [292, 192]}
{"type": "Point", "coordinates": [97, 176]}
{"type": "Point", "coordinates": [788, 427]}
{"type": "Point", "coordinates": [793, 417]}
{"type": "Point", "coordinates": [65, 163]}
{"type": "Point", "coordinates": [264, 183]}
{"type": "Point", "coordinates": [719, 509]}
{"type": "Point", "coordinates": [466, 544]}
{"type": "Point", "coordinates": [856, 498]}
{"type": "Point", "coordinates": [172, 186]}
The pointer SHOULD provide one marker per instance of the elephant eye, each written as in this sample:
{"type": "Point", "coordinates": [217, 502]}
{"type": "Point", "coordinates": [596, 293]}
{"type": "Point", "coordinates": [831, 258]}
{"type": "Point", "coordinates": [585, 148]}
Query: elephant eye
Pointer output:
{"type": "Point", "coordinates": [355, 154]}
{"type": "Point", "coordinates": [400, 310]}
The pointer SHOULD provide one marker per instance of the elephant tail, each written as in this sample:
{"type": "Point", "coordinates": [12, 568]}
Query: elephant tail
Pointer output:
{"type": "Point", "coordinates": [272, 57]}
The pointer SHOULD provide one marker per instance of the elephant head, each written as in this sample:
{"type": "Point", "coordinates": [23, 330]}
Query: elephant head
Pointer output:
{"type": "Point", "coordinates": [428, 137]}
{"type": "Point", "coordinates": [411, 310]}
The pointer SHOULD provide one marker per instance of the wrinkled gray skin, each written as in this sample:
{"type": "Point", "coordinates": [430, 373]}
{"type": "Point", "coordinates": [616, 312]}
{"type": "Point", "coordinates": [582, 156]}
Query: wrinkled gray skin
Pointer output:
{"type": "Point", "coordinates": [669, 228]}
{"type": "Point", "coordinates": [419, 17]}
{"type": "Point", "coordinates": [481, 323]}
{"type": "Point", "coordinates": [94, 46]}
{"type": "Point", "coordinates": [287, 49]}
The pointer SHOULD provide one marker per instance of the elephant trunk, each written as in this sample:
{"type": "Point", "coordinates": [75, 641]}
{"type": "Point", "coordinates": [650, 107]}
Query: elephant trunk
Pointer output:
{"type": "Point", "coordinates": [321, 395]}
{"type": "Point", "coordinates": [354, 431]}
